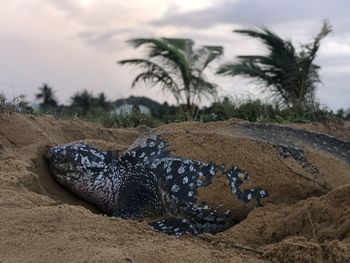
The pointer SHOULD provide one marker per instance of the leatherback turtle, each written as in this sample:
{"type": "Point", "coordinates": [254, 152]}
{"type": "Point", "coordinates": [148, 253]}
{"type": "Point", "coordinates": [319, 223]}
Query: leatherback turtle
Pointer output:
{"type": "Point", "coordinates": [147, 182]}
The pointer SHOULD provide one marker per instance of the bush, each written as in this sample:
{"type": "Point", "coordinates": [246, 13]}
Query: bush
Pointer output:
{"type": "Point", "coordinates": [128, 120]}
{"type": "Point", "coordinates": [257, 111]}
{"type": "Point", "coordinates": [17, 104]}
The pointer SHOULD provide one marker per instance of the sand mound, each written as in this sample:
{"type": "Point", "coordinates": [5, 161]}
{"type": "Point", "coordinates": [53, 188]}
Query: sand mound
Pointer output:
{"type": "Point", "coordinates": [305, 218]}
{"type": "Point", "coordinates": [298, 249]}
{"type": "Point", "coordinates": [319, 218]}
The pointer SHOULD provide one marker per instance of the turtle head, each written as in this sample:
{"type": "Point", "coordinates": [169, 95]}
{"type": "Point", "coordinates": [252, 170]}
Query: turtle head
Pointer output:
{"type": "Point", "coordinates": [83, 170]}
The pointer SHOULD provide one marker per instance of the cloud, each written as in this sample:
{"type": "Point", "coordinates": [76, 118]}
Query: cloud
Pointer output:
{"type": "Point", "coordinates": [107, 41]}
{"type": "Point", "coordinates": [110, 41]}
{"type": "Point", "coordinates": [257, 13]}
{"type": "Point", "coordinates": [336, 47]}
{"type": "Point", "coordinates": [111, 14]}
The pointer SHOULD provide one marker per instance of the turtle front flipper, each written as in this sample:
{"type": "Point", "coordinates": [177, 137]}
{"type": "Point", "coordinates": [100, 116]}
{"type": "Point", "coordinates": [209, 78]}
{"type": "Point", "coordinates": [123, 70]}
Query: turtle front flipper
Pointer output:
{"type": "Point", "coordinates": [206, 219]}
{"type": "Point", "coordinates": [195, 220]}
{"type": "Point", "coordinates": [176, 226]}
{"type": "Point", "coordinates": [236, 177]}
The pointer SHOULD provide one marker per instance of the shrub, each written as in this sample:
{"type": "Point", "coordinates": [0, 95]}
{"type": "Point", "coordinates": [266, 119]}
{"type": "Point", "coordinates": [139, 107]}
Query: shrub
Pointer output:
{"type": "Point", "coordinates": [17, 104]}
{"type": "Point", "coordinates": [128, 120]}
{"type": "Point", "coordinates": [257, 111]}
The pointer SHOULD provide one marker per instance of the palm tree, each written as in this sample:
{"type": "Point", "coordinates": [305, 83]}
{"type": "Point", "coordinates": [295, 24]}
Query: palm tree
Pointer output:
{"type": "Point", "coordinates": [47, 96]}
{"type": "Point", "coordinates": [289, 74]}
{"type": "Point", "coordinates": [176, 67]}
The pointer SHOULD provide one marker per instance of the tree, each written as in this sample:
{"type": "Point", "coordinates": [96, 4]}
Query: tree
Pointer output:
{"type": "Point", "coordinates": [175, 66]}
{"type": "Point", "coordinates": [343, 114]}
{"type": "Point", "coordinates": [289, 74]}
{"type": "Point", "coordinates": [102, 102]}
{"type": "Point", "coordinates": [82, 100]}
{"type": "Point", "coordinates": [47, 96]}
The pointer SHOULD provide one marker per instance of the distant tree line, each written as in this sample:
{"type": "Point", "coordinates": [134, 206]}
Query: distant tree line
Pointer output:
{"type": "Point", "coordinates": [98, 108]}
{"type": "Point", "coordinates": [83, 103]}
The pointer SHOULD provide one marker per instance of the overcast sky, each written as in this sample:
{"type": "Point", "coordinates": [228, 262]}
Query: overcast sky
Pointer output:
{"type": "Point", "coordinates": [74, 44]}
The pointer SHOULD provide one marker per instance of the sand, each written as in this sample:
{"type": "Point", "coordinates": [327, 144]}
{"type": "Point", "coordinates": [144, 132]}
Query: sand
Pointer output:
{"type": "Point", "coordinates": [305, 219]}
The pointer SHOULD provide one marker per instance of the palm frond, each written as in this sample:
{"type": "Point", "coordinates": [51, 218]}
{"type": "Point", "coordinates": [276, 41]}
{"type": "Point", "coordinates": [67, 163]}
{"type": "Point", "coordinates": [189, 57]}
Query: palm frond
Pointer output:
{"type": "Point", "coordinates": [153, 74]}
{"type": "Point", "coordinates": [166, 51]}
{"type": "Point", "coordinates": [205, 55]}
{"type": "Point", "coordinates": [202, 87]}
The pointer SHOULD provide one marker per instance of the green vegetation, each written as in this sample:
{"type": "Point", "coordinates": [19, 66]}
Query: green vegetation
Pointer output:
{"type": "Point", "coordinates": [18, 104]}
{"type": "Point", "coordinates": [47, 96]}
{"type": "Point", "coordinates": [290, 75]}
{"type": "Point", "coordinates": [134, 119]}
{"type": "Point", "coordinates": [257, 111]}
{"type": "Point", "coordinates": [85, 104]}
{"type": "Point", "coordinates": [343, 114]}
{"type": "Point", "coordinates": [176, 67]}
{"type": "Point", "coordinates": [251, 110]}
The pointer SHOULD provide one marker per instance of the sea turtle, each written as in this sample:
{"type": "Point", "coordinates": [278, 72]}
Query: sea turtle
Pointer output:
{"type": "Point", "coordinates": [147, 182]}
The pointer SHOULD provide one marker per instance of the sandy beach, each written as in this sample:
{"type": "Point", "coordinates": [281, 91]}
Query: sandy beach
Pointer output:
{"type": "Point", "coordinates": [306, 218]}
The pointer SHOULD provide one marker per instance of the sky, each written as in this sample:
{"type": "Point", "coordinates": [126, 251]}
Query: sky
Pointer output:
{"type": "Point", "coordinates": [74, 44]}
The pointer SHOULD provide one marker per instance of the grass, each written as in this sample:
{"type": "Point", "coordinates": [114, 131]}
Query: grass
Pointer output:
{"type": "Point", "coordinates": [129, 120]}
{"type": "Point", "coordinates": [15, 105]}
{"type": "Point", "coordinates": [257, 111]}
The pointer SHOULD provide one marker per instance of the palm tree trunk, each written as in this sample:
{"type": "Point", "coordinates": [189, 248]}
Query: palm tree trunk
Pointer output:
{"type": "Point", "coordinates": [188, 99]}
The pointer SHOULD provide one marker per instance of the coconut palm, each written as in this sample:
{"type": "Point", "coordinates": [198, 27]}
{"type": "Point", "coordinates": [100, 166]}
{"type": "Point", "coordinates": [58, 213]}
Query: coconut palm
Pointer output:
{"type": "Point", "coordinates": [289, 74]}
{"type": "Point", "coordinates": [175, 66]}
{"type": "Point", "coordinates": [47, 96]}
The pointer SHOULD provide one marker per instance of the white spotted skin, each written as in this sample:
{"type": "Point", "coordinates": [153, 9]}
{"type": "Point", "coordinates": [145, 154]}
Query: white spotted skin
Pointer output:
{"type": "Point", "coordinates": [169, 177]}
{"type": "Point", "coordinates": [175, 188]}
{"type": "Point", "coordinates": [161, 145]}
{"type": "Point", "coordinates": [181, 170]}
{"type": "Point", "coordinates": [212, 170]}
{"type": "Point", "coordinates": [155, 164]}
{"type": "Point", "coordinates": [185, 180]}
{"type": "Point", "coordinates": [144, 144]}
